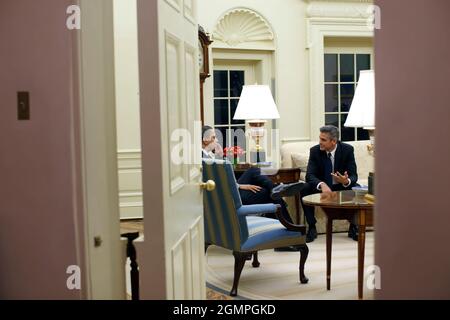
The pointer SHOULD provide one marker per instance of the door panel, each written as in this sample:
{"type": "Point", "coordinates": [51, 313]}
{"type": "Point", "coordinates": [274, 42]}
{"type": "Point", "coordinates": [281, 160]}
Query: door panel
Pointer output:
{"type": "Point", "coordinates": [179, 238]}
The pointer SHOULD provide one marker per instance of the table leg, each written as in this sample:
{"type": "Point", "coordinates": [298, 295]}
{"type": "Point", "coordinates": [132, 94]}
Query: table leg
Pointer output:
{"type": "Point", "coordinates": [361, 251]}
{"type": "Point", "coordinates": [297, 208]}
{"type": "Point", "coordinates": [329, 241]}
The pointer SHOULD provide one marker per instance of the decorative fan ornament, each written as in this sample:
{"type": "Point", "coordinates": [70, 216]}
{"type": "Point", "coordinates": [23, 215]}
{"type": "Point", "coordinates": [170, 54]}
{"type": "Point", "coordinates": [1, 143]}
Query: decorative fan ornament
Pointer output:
{"type": "Point", "coordinates": [242, 25]}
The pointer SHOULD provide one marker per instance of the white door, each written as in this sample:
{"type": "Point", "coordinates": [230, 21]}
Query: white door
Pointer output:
{"type": "Point", "coordinates": [171, 255]}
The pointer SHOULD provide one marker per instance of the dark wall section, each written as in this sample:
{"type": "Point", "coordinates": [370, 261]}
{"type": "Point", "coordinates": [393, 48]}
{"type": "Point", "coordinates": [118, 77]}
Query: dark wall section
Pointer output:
{"type": "Point", "coordinates": [413, 149]}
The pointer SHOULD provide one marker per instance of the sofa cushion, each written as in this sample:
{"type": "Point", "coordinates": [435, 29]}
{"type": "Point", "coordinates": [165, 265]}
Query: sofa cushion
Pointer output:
{"type": "Point", "coordinates": [300, 160]}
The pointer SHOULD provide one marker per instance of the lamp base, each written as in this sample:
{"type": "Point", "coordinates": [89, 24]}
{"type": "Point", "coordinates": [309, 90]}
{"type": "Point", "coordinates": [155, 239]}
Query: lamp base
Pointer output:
{"type": "Point", "coordinates": [257, 156]}
{"type": "Point", "coordinates": [371, 185]}
{"type": "Point", "coordinates": [370, 196]}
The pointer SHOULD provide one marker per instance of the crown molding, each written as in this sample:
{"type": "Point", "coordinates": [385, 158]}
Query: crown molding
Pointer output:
{"type": "Point", "coordinates": [339, 9]}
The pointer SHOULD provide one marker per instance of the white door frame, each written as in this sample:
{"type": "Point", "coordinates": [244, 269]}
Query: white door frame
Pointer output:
{"type": "Point", "coordinates": [105, 260]}
{"type": "Point", "coordinates": [318, 29]}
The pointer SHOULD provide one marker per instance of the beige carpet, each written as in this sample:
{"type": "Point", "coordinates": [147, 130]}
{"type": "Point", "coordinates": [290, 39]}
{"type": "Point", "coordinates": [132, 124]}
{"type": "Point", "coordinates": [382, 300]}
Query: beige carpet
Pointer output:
{"type": "Point", "coordinates": [277, 277]}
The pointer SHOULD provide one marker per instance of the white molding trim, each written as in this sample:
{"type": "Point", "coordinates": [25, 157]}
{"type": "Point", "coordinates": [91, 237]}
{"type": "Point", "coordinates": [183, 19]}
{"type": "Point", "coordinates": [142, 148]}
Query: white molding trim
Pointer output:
{"type": "Point", "coordinates": [190, 13]}
{"type": "Point", "coordinates": [317, 29]}
{"type": "Point", "coordinates": [288, 140]}
{"type": "Point", "coordinates": [130, 185]}
{"type": "Point", "coordinates": [242, 27]}
{"type": "Point", "coordinates": [174, 4]}
{"type": "Point", "coordinates": [340, 1]}
{"type": "Point", "coordinates": [128, 151]}
{"type": "Point", "coordinates": [340, 9]}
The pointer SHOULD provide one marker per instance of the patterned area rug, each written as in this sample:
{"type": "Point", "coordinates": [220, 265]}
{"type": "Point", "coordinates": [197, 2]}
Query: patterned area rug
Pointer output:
{"type": "Point", "coordinates": [277, 277]}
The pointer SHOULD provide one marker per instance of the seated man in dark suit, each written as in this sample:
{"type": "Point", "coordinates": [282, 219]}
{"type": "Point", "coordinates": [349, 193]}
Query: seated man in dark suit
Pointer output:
{"type": "Point", "coordinates": [331, 167]}
{"type": "Point", "coordinates": [254, 187]}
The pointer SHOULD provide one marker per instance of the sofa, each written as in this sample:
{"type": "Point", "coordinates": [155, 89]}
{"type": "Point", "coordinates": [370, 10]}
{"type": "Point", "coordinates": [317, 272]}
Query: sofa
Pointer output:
{"type": "Point", "coordinates": [296, 154]}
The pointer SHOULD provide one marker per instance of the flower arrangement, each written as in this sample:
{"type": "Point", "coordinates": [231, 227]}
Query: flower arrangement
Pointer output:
{"type": "Point", "coordinates": [233, 153]}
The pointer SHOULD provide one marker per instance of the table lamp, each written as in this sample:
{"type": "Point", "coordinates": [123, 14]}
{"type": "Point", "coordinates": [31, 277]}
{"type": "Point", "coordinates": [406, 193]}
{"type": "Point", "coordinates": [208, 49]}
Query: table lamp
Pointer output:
{"type": "Point", "coordinates": [256, 105]}
{"type": "Point", "coordinates": [362, 114]}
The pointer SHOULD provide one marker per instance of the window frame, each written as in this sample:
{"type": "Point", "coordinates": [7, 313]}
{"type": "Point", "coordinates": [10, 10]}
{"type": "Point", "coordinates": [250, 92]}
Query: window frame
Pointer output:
{"type": "Point", "coordinates": [341, 51]}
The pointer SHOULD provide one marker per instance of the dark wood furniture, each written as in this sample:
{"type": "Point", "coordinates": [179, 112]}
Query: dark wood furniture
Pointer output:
{"type": "Point", "coordinates": [345, 205]}
{"type": "Point", "coordinates": [284, 175]}
{"type": "Point", "coordinates": [203, 47]}
{"type": "Point", "coordinates": [134, 272]}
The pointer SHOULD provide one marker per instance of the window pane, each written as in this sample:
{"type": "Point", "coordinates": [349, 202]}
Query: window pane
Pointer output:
{"type": "Point", "coordinates": [220, 112]}
{"type": "Point", "coordinates": [347, 93]}
{"type": "Point", "coordinates": [362, 63]}
{"type": "Point", "coordinates": [331, 68]}
{"type": "Point", "coordinates": [236, 82]}
{"type": "Point", "coordinates": [363, 134]}
{"type": "Point", "coordinates": [331, 98]}
{"type": "Point", "coordinates": [332, 119]}
{"type": "Point", "coordinates": [237, 135]}
{"type": "Point", "coordinates": [220, 83]}
{"type": "Point", "coordinates": [234, 104]}
{"type": "Point", "coordinates": [347, 134]}
{"type": "Point", "coordinates": [347, 67]}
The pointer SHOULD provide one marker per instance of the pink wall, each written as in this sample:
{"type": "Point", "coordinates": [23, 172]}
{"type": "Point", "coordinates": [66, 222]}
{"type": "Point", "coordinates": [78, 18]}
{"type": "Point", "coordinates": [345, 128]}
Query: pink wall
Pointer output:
{"type": "Point", "coordinates": [38, 190]}
{"type": "Point", "coordinates": [412, 53]}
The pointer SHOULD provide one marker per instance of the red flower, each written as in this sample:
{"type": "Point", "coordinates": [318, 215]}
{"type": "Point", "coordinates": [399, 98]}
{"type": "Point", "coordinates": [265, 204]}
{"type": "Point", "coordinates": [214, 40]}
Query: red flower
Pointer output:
{"type": "Point", "coordinates": [233, 151]}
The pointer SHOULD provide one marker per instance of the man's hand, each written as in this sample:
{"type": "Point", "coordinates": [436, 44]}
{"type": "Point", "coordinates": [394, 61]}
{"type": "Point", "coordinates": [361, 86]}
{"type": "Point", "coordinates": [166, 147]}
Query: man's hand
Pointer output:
{"type": "Point", "coordinates": [342, 179]}
{"type": "Point", "coordinates": [250, 187]}
{"type": "Point", "coordinates": [325, 188]}
{"type": "Point", "coordinates": [218, 150]}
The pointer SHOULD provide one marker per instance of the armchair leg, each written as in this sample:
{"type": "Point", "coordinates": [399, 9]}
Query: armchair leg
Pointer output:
{"type": "Point", "coordinates": [303, 256]}
{"type": "Point", "coordinates": [239, 261]}
{"type": "Point", "coordinates": [255, 263]}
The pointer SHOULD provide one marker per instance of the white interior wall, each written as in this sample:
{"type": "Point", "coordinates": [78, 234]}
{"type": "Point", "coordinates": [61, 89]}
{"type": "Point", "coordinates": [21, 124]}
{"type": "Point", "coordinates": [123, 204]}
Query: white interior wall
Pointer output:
{"type": "Point", "coordinates": [291, 57]}
{"type": "Point", "coordinates": [127, 109]}
{"type": "Point", "coordinates": [127, 75]}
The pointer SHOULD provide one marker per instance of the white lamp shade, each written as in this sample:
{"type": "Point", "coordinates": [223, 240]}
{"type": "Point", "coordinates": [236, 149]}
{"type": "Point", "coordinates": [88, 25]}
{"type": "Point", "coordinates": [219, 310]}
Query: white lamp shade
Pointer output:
{"type": "Point", "coordinates": [256, 103]}
{"type": "Point", "coordinates": [362, 110]}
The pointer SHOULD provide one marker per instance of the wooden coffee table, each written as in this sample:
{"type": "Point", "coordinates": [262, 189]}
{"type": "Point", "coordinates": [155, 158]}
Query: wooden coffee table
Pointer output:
{"type": "Point", "coordinates": [344, 205]}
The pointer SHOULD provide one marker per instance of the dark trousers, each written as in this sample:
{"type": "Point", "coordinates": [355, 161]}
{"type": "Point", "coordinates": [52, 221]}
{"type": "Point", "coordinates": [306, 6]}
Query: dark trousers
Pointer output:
{"type": "Point", "coordinates": [253, 176]}
{"type": "Point", "coordinates": [309, 189]}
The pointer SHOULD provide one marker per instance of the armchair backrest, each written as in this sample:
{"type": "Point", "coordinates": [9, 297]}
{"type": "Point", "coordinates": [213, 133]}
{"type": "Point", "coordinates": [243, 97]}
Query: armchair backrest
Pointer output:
{"type": "Point", "coordinates": [223, 226]}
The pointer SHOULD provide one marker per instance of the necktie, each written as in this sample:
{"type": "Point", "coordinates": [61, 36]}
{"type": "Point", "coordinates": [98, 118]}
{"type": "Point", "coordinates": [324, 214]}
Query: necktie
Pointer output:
{"type": "Point", "coordinates": [328, 170]}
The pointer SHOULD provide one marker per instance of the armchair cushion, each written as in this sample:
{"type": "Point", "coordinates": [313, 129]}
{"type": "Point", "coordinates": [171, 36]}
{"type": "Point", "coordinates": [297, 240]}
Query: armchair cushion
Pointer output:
{"type": "Point", "coordinates": [233, 226]}
{"type": "Point", "coordinates": [252, 209]}
{"type": "Point", "coordinates": [265, 233]}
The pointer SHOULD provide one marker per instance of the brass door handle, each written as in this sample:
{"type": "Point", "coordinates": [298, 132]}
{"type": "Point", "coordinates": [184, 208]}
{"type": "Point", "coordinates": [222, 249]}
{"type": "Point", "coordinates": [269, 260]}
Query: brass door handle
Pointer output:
{"type": "Point", "coordinates": [208, 185]}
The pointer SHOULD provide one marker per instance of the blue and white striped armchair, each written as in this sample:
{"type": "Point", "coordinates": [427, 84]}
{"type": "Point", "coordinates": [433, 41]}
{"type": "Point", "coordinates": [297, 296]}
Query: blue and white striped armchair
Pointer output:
{"type": "Point", "coordinates": [241, 228]}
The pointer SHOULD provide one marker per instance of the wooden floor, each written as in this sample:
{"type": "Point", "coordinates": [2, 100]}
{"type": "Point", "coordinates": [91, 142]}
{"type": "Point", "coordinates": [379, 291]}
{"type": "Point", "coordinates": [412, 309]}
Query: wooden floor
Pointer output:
{"type": "Point", "coordinates": [129, 226]}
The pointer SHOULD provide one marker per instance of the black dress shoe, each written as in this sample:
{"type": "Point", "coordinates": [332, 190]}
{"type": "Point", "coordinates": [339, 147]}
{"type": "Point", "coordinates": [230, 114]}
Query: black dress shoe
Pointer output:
{"type": "Point", "coordinates": [288, 248]}
{"type": "Point", "coordinates": [311, 235]}
{"type": "Point", "coordinates": [286, 190]}
{"type": "Point", "coordinates": [353, 232]}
